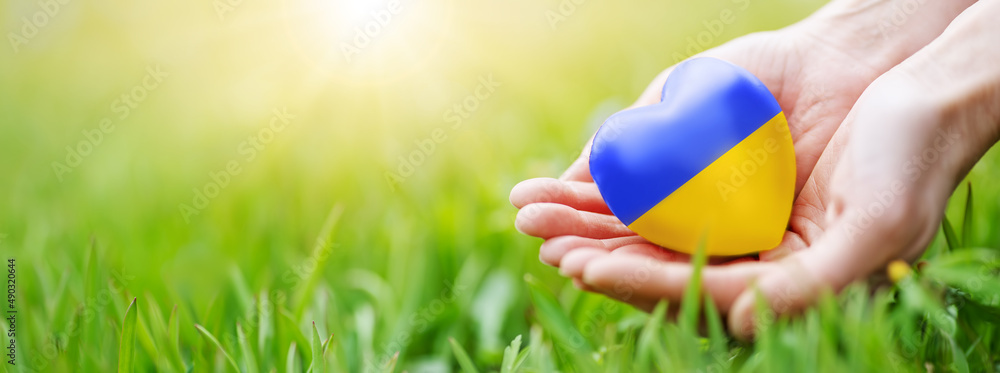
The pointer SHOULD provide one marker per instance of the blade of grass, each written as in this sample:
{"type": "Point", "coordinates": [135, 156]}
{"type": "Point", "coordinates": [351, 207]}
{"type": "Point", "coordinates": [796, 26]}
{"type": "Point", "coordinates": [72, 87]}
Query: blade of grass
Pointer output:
{"type": "Point", "coordinates": [288, 324]}
{"type": "Point", "coordinates": [966, 270]}
{"type": "Point", "coordinates": [463, 358]}
{"type": "Point", "coordinates": [391, 365]}
{"type": "Point", "coordinates": [240, 287]}
{"type": "Point", "coordinates": [326, 343]}
{"type": "Point", "coordinates": [92, 330]}
{"type": "Point", "coordinates": [249, 360]}
{"type": "Point", "coordinates": [688, 318]}
{"type": "Point", "coordinates": [54, 302]}
{"type": "Point", "coordinates": [566, 337]}
{"type": "Point", "coordinates": [949, 234]}
{"type": "Point", "coordinates": [552, 317]}
{"type": "Point", "coordinates": [213, 312]}
{"type": "Point", "coordinates": [716, 333]}
{"type": "Point", "coordinates": [126, 348]}
{"type": "Point", "coordinates": [967, 221]}
{"type": "Point", "coordinates": [764, 330]}
{"type": "Point", "coordinates": [157, 324]}
{"type": "Point", "coordinates": [318, 365]}
{"type": "Point", "coordinates": [510, 354]}
{"type": "Point", "coordinates": [173, 338]}
{"type": "Point", "coordinates": [265, 322]}
{"type": "Point", "coordinates": [290, 359]}
{"type": "Point", "coordinates": [145, 338]}
{"type": "Point", "coordinates": [648, 344]}
{"type": "Point", "coordinates": [622, 358]}
{"type": "Point", "coordinates": [91, 277]}
{"type": "Point", "coordinates": [958, 361]}
{"type": "Point", "coordinates": [536, 346]}
{"type": "Point", "coordinates": [211, 338]}
{"type": "Point", "coordinates": [686, 341]}
{"type": "Point", "coordinates": [521, 357]}
{"type": "Point", "coordinates": [325, 238]}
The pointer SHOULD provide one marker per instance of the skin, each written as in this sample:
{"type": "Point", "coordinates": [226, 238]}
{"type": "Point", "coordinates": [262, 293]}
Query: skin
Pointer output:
{"type": "Point", "coordinates": [885, 120]}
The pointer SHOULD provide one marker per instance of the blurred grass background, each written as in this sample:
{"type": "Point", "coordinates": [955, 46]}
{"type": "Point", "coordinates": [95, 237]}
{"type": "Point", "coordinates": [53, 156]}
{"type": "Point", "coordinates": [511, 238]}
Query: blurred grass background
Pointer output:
{"type": "Point", "coordinates": [432, 257]}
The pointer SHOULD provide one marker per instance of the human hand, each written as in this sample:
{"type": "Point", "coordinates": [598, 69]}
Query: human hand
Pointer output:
{"type": "Point", "coordinates": [889, 170]}
{"type": "Point", "coordinates": [816, 78]}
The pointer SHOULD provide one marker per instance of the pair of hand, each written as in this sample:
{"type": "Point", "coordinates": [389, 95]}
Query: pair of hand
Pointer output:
{"type": "Point", "coordinates": [886, 117]}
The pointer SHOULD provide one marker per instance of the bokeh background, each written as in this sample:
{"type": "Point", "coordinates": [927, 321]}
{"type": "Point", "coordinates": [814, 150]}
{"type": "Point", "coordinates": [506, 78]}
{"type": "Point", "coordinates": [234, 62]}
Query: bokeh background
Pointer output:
{"type": "Point", "coordinates": [377, 211]}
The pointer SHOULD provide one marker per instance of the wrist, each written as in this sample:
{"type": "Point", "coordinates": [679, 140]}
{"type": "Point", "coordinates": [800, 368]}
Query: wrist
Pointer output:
{"type": "Point", "coordinates": [880, 34]}
{"type": "Point", "coordinates": [958, 76]}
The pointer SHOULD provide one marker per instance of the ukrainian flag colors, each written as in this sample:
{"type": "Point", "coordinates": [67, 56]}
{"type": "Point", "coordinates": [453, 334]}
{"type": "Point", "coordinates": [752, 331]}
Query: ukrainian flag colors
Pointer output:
{"type": "Point", "coordinates": [712, 161]}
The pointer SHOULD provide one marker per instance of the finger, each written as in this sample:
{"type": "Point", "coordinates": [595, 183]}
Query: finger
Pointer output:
{"type": "Point", "coordinates": [644, 280]}
{"type": "Point", "coordinates": [654, 91]}
{"type": "Point", "coordinates": [580, 285]}
{"type": "Point", "coordinates": [580, 169]}
{"type": "Point", "coordinates": [553, 249]}
{"type": "Point", "coordinates": [787, 289]}
{"type": "Point", "coordinates": [652, 251]}
{"type": "Point", "coordinates": [662, 254]}
{"type": "Point", "coordinates": [790, 243]}
{"type": "Point", "coordinates": [578, 195]}
{"type": "Point", "coordinates": [547, 220]}
{"type": "Point", "coordinates": [853, 248]}
{"type": "Point", "coordinates": [573, 262]}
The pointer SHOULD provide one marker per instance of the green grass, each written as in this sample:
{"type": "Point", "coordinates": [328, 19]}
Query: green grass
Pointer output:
{"type": "Point", "coordinates": [307, 259]}
{"type": "Point", "coordinates": [942, 315]}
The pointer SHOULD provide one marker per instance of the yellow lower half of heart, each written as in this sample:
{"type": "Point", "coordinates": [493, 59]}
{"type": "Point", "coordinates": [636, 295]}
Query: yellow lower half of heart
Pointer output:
{"type": "Point", "coordinates": [739, 204]}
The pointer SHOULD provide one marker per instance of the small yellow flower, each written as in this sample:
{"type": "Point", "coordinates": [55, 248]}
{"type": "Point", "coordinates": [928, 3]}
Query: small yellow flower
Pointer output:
{"type": "Point", "coordinates": [898, 270]}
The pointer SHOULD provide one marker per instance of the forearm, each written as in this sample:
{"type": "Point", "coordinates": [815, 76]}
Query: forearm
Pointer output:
{"type": "Point", "coordinates": [882, 33]}
{"type": "Point", "coordinates": [960, 75]}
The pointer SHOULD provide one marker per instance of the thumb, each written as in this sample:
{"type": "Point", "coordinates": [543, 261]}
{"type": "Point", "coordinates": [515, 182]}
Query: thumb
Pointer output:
{"type": "Point", "coordinates": [852, 248]}
{"type": "Point", "coordinates": [789, 289]}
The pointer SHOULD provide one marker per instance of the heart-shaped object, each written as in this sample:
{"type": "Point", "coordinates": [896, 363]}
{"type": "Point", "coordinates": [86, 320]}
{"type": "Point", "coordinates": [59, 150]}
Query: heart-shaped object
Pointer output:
{"type": "Point", "coordinates": [711, 163]}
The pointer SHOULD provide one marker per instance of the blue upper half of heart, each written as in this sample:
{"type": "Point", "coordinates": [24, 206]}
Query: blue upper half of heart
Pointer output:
{"type": "Point", "coordinates": [641, 156]}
